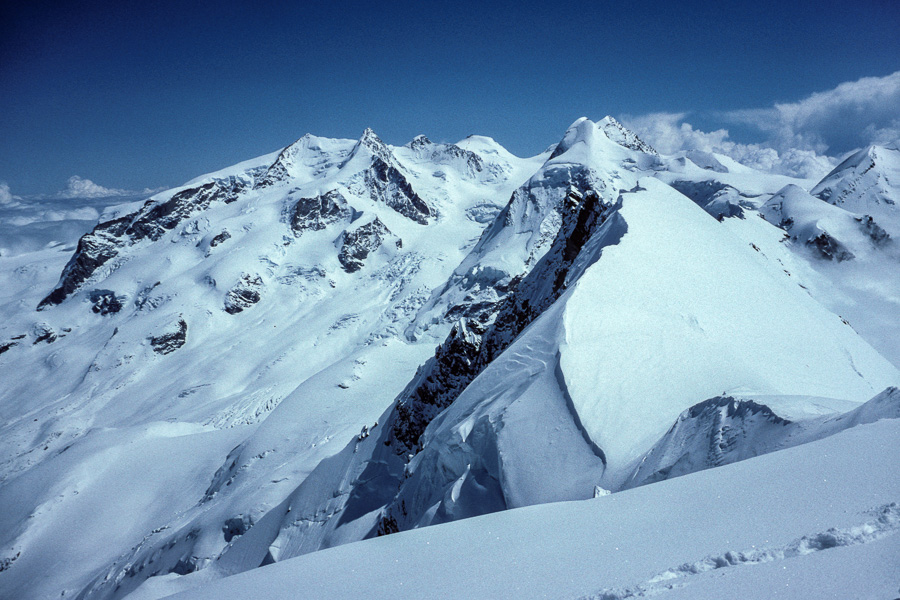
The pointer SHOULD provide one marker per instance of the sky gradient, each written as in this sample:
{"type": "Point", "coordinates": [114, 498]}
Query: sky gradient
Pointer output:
{"type": "Point", "coordinates": [137, 94]}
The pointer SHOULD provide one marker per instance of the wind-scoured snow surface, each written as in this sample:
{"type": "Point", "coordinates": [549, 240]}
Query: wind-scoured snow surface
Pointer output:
{"type": "Point", "coordinates": [346, 339]}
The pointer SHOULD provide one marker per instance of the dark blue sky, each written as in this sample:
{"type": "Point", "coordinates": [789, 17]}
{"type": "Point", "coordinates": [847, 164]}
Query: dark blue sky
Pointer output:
{"type": "Point", "coordinates": [149, 94]}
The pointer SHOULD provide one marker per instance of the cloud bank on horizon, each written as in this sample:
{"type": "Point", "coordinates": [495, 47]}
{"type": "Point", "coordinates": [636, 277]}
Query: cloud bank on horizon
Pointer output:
{"type": "Point", "coordinates": [802, 139]}
{"type": "Point", "coordinates": [78, 187]}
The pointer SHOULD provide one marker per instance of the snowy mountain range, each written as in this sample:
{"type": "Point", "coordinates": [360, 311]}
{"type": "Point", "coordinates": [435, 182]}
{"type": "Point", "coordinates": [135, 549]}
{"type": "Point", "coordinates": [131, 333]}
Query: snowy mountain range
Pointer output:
{"type": "Point", "coordinates": [229, 388]}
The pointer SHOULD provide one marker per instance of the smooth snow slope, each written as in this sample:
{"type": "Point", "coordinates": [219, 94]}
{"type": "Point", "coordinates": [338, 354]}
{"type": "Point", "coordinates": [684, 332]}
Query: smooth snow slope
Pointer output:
{"type": "Point", "coordinates": [784, 519]}
{"type": "Point", "coordinates": [680, 311]}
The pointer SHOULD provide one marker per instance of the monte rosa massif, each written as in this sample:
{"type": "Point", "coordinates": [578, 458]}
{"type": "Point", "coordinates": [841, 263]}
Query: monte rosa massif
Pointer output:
{"type": "Point", "coordinates": [348, 369]}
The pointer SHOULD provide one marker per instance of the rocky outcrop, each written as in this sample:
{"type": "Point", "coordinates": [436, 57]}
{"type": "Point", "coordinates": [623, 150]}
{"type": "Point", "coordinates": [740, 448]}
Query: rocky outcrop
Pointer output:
{"type": "Point", "coordinates": [151, 222]}
{"type": "Point", "coordinates": [624, 136]}
{"type": "Point", "coordinates": [829, 248]}
{"type": "Point", "coordinates": [244, 294]}
{"type": "Point", "coordinates": [314, 214]}
{"type": "Point", "coordinates": [356, 244]}
{"type": "Point", "coordinates": [105, 302]}
{"type": "Point", "coordinates": [44, 333]}
{"type": "Point", "coordinates": [278, 171]}
{"type": "Point", "coordinates": [159, 218]}
{"type": "Point", "coordinates": [94, 250]}
{"type": "Point", "coordinates": [475, 341]}
{"type": "Point", "coordinates": [172, 340]}
{"type": "Point", "coordinates": [384, 182]}
{"type": "Point", "coordinates": [236, 526]}
{"type": "Point", "coordinates": [220, 238]}
{"type": "Point", "coordinates": [879, 236]}
{"type": "Point", "coordinates": [464, 161]}
{"type": "Point", "coordinates": [309, 153]}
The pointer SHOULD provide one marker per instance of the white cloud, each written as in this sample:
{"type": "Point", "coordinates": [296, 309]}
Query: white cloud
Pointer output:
{"type": "Point", "coordinates": [85, 188]}
{"type": "Point", "coordinates": [6, 196]}
{"type": "Point", "coordinates": [852, 115]}
{"type": "Point", "coordinates": [670, 133]}
{"type": "Point", "coordinates": [801, 138]}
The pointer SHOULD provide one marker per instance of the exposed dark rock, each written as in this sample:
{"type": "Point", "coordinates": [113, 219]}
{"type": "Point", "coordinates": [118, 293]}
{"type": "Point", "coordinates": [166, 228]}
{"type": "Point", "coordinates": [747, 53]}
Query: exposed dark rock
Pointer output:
{"type": "Point", "coordinates": [185, 565]}
{"type": "Point", "coordinates": [44, 333]}
{"type": "Point", "coordinates": [244, 294]}
{"type": "Point", "coordinates": [151, 222]}
{"type": "Point", "coordinates": [383, 181]}
{"type": "Point", "coordinates": [828, 247]}
{"type": "Point", "coordinates": [715, 432]}
{"type": "Point", "coordinates": [475, 341]}
{"type": "Point", "coordinates": [4, 346]}
{"type": "Point", "coordinates": [220, 238]}
{"type": "Point", "coordinates": [873, 230]}
{"type": "Point", "coordinates": [386, 526]}
{"type": "Point", "coordinates": [145, 300]}
{"type": "Point", "coordinates": [625, 137]}
{"type": "Point", "coordinates": [105, 302]}
{"type": "Point", "coordinates": [314, 214]}
{"type": "Point", "coordinates": [7, 561]}
{"type": "Point", "coordinates": [236, 526]}
{"type": "Point", "coordinates": [371, 142]}
{"type": "Point", "coordinates": [465, 161]}
{"type": "Point", "coordinates": [161, 217]}
{"type": "Point", "coordinates": [94, 250]}
{"type": "Point", "coordinates": [278, 171]}
{"type": "Point", "coordinates": [357, 243]}
{"type": "Point", "coordinates": [387, 185]}
{"type": "Point", "coordinates": [170, 341]}
{"type": "Point", "coordinates": [421, 145]}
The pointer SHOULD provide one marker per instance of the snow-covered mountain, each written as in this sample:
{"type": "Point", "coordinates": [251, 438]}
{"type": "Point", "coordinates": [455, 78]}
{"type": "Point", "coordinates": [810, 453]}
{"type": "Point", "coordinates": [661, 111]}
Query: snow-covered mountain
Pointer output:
{"type": "Point", "coordinates": [866, 183]}
{"type": "Point", "coordinates": [346, 339]}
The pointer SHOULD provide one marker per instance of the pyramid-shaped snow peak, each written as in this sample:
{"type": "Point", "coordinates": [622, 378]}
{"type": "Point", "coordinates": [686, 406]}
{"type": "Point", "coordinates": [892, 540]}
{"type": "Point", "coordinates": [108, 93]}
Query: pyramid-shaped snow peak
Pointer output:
{"type": "Point", "coordinates": [868, 183]}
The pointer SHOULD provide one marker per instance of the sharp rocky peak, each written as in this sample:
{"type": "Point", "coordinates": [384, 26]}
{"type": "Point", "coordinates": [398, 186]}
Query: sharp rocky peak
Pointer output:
{"type": "Point", "coordinates": [371, 143]}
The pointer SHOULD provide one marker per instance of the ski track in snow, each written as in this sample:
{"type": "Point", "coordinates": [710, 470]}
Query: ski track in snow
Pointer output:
{"type": "Point", "coordinates": [887, 522]}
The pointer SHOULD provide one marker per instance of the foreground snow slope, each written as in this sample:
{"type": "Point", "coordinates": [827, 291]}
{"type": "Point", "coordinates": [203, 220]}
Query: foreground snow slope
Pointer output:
{"type": "Point", "coordinates": [800, 512]}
